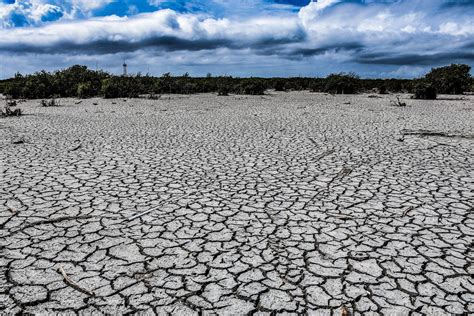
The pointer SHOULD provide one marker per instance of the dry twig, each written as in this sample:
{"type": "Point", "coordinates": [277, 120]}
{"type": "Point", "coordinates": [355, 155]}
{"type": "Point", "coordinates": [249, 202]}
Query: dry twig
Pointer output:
{"type": "Point", "coordinates": [76, 148]}
{"type": "Point", "coordinates": [398, 102]}
{"type": "Point", "coordinates": [408, 209]}
{"type": "Point", "coordinates": [56, 220]}
{"type": "Point", "coordinates": [344, 216]}
{"type": "Point", "coordinates": [345, 171]}
{"type": "Point", "coordinates": [73, 284]}
{"type": "Point", "coordinates": [425, 133]}
{"type": "Point", "coordinates": [18, 142]}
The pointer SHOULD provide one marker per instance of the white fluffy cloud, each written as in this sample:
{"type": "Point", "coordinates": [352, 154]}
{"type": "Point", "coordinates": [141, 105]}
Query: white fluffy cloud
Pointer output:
{"type": "Point", "coordinates": [88, 5]}
{"type": "Point", "coordinates": [164, 28]}
{"type": "Point", "coordinates": [26, 13]}
{"type": "Point", "coordinates": [34, 12]}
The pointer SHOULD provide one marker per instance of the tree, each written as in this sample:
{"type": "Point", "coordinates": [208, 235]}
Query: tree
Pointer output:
{"type": "Point", "coordinates": [453, 79]}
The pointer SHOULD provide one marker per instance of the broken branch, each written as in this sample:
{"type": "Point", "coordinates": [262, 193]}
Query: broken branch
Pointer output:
{"type": "Point", "coordinates": [73, 284]}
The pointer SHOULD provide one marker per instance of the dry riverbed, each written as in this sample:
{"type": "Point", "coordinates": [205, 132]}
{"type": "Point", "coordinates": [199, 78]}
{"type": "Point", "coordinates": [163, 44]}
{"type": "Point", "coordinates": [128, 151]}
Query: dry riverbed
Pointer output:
{"type": "Point", "coordinates": [289, 202]}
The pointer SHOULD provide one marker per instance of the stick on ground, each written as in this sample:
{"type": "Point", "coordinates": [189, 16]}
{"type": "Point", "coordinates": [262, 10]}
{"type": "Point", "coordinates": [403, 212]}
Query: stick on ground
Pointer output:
{"type": "Point", "coordinates": [73, 284]}
{"type": "Point", "coordinates": [408, 209]}
{"type": "Point", "coordinates": [427, 133]}
{"type": "Point", "coordinates": [76, 148]}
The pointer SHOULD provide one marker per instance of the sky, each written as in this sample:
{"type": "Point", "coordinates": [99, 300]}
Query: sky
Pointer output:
{"type": "Point", "coordinates": [268, 38]}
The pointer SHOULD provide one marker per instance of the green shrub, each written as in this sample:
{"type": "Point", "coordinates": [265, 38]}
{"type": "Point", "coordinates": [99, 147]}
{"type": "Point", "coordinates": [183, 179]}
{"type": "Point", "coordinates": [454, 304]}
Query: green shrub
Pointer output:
{"type": "Point", "coordinates": [251, 87]}
{"type": "Point", "coordinates": [317, 86]}
{"type": "Point", "coordinates": [342, 83]}
{"type": "Point", "coordinates": [224, 86]}
{"type": "Point", "coordinates": [111, 89]}
{"type": "Point", "coordinates": [120, 87]}
{"type": "Point", "coordinates": [425, 91]}
{"type": "Point", "coordinates": [85, 90]}
{"type": "Point", "coordinates": [165, 84]}
{"type": "Point", "coordinates": [453, 79]}
{"type": "Point", "coordinates": [223, 90]}
{"type": "Point", "coordinates": [188, 88]}
{"type": "Point", "coordinates": [13, 89]}
{"type": "Point", "coordinates": [280, 85]}
{"type": "Point", "coordinates": [78, 81]}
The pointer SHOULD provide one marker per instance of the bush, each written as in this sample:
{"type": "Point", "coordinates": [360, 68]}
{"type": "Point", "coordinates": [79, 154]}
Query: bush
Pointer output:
{"type": "Point", "coordinates": [189, 88]}
{"type": "Point", "coordinates": [453, 79]}
{"type": "Point", "coordinates": [120, 87]}
{"type": "Point", "coordinates": [317, 86]}
{"type": "Point", "coordinates": [165, 84]}
{"type": "Point", "coordinates": [280, 85]}
{"type": "Point", "coordinates": [12, 89]}
{"type": "Point", "coordinates": [223, 90]}
{"type": "Point", "coordinates": [78, 81]}
{"type": "Point", "coordinates": [342, 83]}
{"type": "Point", "coordinates": [425, 91]}
{"type": "Point", "coordinates": [224, 86]}
{"type": "Point", "coordinates": [84, 90]}
{"type": "Point", "coordinates": [111, 89]}
{"type": "Point", "coordinates": [252, 87]}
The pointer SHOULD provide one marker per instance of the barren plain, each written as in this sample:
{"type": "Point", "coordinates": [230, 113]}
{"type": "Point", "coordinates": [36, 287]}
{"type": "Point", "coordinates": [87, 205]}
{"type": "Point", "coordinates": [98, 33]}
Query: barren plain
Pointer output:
{"type": "Point", "coordinates": [284, 203]}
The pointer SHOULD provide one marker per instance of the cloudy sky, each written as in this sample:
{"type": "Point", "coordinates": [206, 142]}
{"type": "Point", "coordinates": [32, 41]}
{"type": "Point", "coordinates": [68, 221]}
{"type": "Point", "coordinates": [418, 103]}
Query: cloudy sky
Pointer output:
{"type": "Point", "coordinates": [374, 38]}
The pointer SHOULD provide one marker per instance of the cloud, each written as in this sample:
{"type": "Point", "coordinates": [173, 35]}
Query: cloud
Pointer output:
{"type": "Point", "coordinates": [164, 29]}
{"type": "Point", "coordinates": [369, 36]}
{"type": "Point", "coordinates": [415, 59]}
{"type": "Point", "coordinates": [394, 32]}
{"type": "Point", "coordinates": [228, 8]}
{"type": "Point", "coordinates": [89, 5]}
{"type": "Point", "coordinates": [36, 12]}
{"type": "Point", "coordinates": [24, 13]}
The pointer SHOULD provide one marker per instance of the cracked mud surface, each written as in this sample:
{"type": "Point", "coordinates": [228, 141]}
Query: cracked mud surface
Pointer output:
{"type": "Point", "coordinates": [287, 203]}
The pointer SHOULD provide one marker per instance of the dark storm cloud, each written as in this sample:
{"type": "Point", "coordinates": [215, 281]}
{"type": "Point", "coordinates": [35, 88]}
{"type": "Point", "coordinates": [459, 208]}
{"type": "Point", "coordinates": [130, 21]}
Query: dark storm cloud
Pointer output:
{"type": "Point", "coordinates": [414, 59]}
{"type": "Point", "coordinates": [469, 45]}
{"type": "Point", "coordinates": [103, 47]}
{"type": "Point", "coordinates": [159, 43]}
{"type": "Point", "coordinates": [306, 52]}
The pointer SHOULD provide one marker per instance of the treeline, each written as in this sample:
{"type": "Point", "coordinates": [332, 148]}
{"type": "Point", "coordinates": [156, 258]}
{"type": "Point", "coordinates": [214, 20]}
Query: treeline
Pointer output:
{"type": "Point", "coordinates": [79, 81]}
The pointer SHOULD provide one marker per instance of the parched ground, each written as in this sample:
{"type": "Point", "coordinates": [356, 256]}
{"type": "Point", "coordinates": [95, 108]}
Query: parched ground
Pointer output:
{"type": "Point", "coordinates": [286, 203]}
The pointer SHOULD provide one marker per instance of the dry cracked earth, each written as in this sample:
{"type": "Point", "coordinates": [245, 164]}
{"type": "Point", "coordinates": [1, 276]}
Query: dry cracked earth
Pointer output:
{"type": "Point", "coordinates": [293, 203]}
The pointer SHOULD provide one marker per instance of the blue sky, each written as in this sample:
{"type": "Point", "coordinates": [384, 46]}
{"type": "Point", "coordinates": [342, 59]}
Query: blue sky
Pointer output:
{"type": "Point", "coordinates": [374, 38]}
